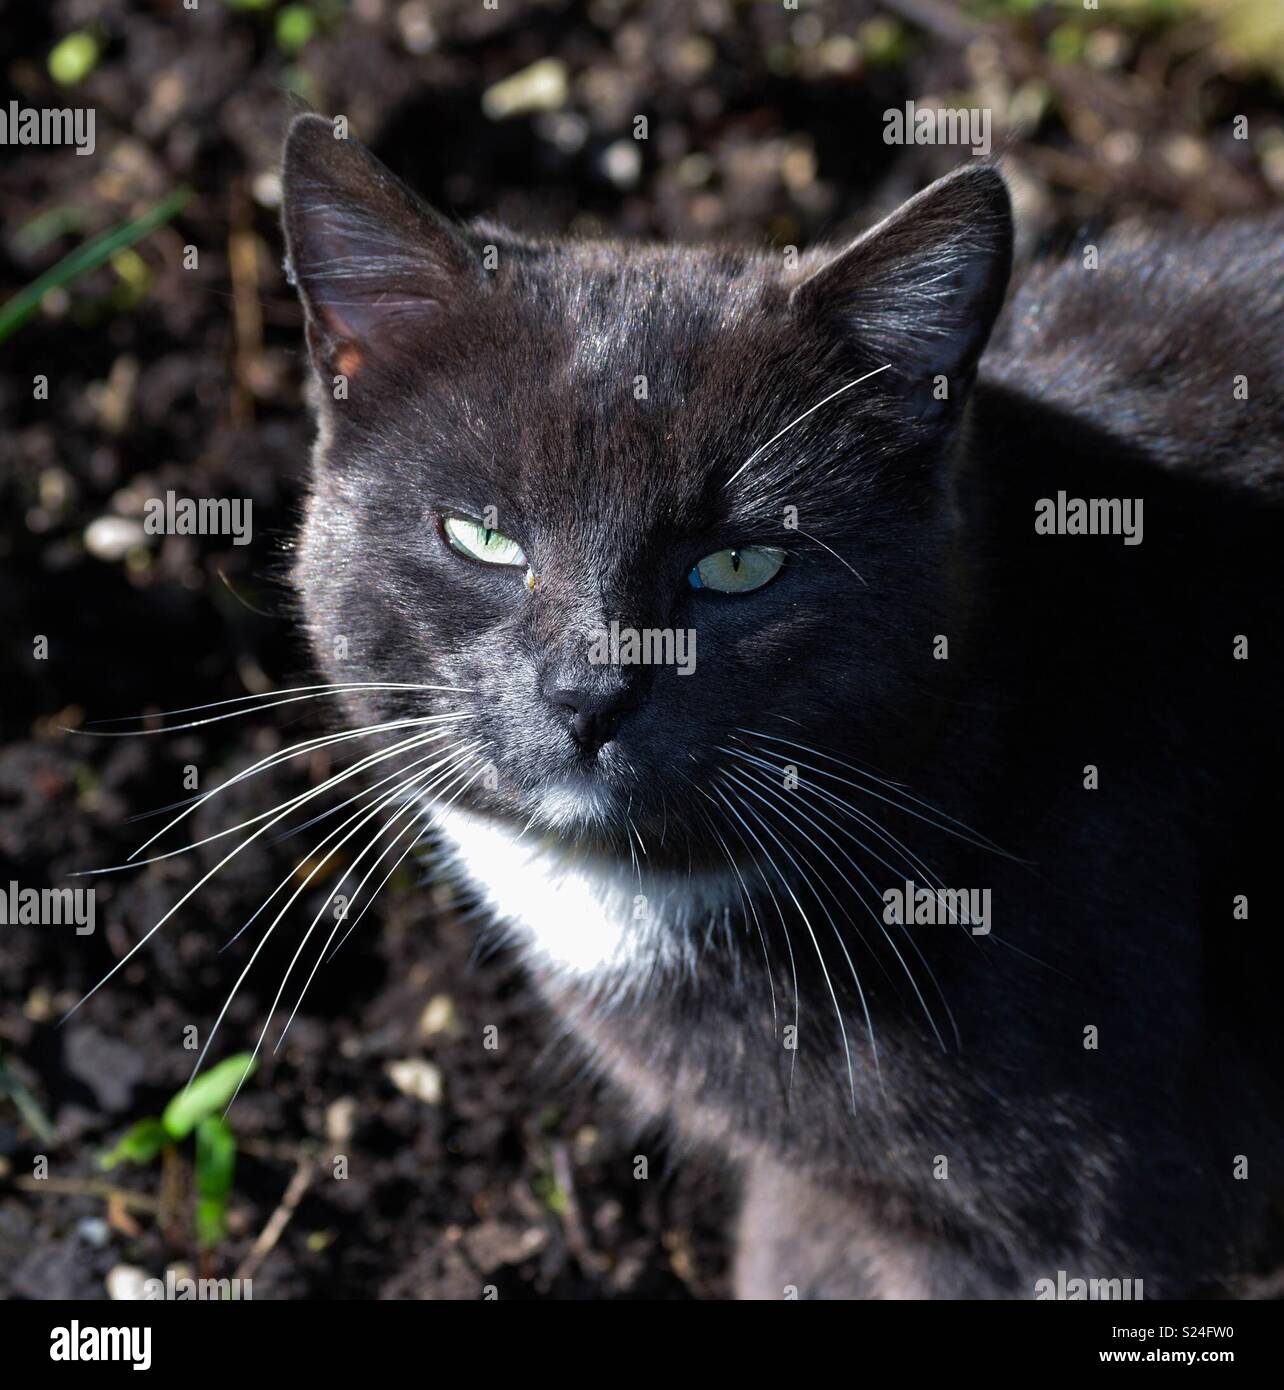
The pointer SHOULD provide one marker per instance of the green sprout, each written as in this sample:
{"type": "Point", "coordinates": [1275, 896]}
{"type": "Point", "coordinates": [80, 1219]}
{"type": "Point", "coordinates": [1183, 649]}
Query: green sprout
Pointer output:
{"type": "Point", "coordinates": [195, 1109]}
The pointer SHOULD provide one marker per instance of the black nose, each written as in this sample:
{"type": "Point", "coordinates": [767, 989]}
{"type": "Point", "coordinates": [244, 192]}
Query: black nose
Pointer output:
{"type": "Point", "coordinates": [593, 714]}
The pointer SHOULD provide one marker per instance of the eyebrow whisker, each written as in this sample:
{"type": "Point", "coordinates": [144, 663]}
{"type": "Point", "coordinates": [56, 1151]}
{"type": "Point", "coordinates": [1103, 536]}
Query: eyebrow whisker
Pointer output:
{"type": "Point", "coordinates": [801, 418]}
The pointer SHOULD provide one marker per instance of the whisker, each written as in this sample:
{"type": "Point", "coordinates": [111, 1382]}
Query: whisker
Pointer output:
{"type": "Point", "coordinates": [427, 815]}
{"type": "Point", "coordinates": [297, 750]}
{"type": "Point", "coordinates": [772, 865]}
{"type": "Point", "coordinates": [801, 418]}
{"type": "Point", "coordinates": [321, 692]}
{"type": "Point", "coordinates": [451, 770]}
{"type": "Point", "coordinates": [325, 840]}
{"type": "Point", "coordinates": [862, 817]}
{"type": "Point", "coordinates": [806, 878]}
{"type": "Point", "coordinates": [815, 540]}
{"type": "Point", "coordinates": [873, 914]}
{"type": "Point", "coordinates": [746, 899]}
{"type": "Point", "coordinates": [138, 945]}
{"type": "Point", "coordinates": [964, 832]}
{"type": "Point", "coordinates": [361, 818]}
{"type": "Point", "coordinates": [285, 808]}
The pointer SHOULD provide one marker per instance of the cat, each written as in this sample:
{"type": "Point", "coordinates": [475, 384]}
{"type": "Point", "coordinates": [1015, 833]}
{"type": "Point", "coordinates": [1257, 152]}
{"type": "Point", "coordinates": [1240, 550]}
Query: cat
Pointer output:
{"type": "Point", "coordinates": [852, 477]}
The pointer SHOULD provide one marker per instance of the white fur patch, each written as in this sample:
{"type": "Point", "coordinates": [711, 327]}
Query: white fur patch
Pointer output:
{"type": "Point", "coordinates": [583, 913]}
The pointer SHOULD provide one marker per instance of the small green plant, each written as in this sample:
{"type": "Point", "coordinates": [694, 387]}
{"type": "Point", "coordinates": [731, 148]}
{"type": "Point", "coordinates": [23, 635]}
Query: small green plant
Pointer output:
{"type": "Point", "coordinates": [195, 1109]}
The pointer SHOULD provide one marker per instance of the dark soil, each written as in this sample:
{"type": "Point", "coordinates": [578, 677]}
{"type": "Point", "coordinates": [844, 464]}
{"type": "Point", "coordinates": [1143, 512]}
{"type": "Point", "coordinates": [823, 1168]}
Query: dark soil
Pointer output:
{"type": "Point", "coordinates": [764, 124]}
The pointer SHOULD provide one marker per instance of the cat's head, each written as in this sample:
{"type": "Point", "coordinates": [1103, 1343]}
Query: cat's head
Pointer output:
{"type": "Point", "coordinates": [539, 458]}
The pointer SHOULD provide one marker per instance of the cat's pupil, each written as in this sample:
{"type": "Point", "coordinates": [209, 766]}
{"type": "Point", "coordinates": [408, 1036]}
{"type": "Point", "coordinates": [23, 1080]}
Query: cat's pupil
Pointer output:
{"type": "Point", "coordinates": [735, 561]}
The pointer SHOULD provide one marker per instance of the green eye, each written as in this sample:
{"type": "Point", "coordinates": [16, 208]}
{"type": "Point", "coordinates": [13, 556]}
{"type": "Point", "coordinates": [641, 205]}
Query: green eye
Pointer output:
{"type": "Point", "coordinates": [737, 571]}
{"type": "Point", "coordinates": [479, 542]}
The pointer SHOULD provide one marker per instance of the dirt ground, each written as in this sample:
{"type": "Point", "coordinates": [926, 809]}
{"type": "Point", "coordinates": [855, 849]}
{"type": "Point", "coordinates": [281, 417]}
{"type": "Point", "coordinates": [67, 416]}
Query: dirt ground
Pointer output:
{"type": "Point", "coordinates": [467, 1167]}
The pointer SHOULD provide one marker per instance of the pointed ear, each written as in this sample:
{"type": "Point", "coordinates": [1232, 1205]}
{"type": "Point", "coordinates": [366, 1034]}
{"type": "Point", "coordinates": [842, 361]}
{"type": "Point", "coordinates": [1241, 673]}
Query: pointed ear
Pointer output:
{"type": "Point", "coordinates": [922, 289]}
{"type": "Point", "coordinates": [372, 264]}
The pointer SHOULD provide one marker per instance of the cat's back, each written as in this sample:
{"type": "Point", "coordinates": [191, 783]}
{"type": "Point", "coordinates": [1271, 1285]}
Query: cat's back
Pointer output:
{"type": "Point", "coordinates": [1164, 336]}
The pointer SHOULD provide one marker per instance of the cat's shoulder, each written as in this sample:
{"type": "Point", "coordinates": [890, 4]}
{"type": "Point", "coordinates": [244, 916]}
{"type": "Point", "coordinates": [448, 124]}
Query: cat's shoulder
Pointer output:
{"type": "Point", "coordinates": [1165, 333]}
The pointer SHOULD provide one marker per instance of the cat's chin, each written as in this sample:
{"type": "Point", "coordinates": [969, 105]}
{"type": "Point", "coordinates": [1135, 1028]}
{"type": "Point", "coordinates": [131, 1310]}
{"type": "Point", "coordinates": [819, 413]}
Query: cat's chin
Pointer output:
{"type": "Point", "coordinates": [578, 806]}
{"type": "Point", "coordinates": [579, 909]}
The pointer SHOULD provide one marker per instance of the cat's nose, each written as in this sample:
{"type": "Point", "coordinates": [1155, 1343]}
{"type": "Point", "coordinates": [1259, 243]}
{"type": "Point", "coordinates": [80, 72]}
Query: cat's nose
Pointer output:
{"type": "Point", "coordinates": [593, 714]}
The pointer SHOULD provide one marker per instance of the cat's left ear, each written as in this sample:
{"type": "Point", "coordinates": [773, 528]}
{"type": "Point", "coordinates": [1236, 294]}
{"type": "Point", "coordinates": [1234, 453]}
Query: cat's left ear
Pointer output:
{"type": "Point", "coordinates": [921, 290]}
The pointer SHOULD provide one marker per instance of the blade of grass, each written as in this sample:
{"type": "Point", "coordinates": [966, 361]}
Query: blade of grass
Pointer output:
{"type": "Point", "coordinates": [27, 1106]}
{"type": "Point", "coordinates": [16, 311]}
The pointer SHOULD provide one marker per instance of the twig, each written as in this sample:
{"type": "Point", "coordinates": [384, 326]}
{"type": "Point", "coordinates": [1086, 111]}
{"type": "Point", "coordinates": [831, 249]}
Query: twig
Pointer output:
{"type": "Point", "coordinates": [278, 1221]}
{"type": "Point", "coordinates": [88, 1187]}
{"type": "Point", "coordinates": [572, 1222]}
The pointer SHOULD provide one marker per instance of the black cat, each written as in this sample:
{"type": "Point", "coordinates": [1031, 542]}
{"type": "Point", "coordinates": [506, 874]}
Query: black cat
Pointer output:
{"type": "Point", "coordinates": [873, 747]}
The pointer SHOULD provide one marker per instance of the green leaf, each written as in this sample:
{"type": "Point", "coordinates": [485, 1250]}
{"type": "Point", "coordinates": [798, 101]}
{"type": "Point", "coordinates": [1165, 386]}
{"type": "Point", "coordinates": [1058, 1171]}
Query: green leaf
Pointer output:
{"type": "Point", "coordinates": [16, 311]}
{"type": "Point", "coordinates": [209, 1092]}
{"type": "Point", "coordinates": [215, 1168]}
{"type": "Point", "coordinates": [139, 1144]}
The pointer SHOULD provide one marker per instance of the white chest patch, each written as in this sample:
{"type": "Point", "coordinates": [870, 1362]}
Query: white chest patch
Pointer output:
{"type": "Point", "coordinates": [582, 914]}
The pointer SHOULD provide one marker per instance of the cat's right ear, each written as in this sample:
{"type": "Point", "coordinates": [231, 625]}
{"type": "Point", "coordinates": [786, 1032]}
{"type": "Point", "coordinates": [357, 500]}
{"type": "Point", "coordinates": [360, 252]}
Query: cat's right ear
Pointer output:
{"type": "Point", "coordinates": [373, 265]}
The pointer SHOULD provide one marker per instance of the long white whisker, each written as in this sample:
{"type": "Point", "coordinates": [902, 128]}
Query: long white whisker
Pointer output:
{"type": "Point", "coordinates": [325, 840]}
{"type": "Point", "coordinates": [361, 818]}
{"type": "Point", "coordinates": [321, 692]}
{"type": "Point", "coordinates": [451, 771]}
{"type": "Point", "coordinates": [284, 808]}
{"type": "Point", "coordinates": [801, 418]}
{"type": "Point", "coordinates": [964, 832]}
{"type": "Point", "coordinates": [780, 910]}
{"type": "Point", "coordinates": [873, 888]}
{"type": "Point", "coordinates": [296, 750]}
{"type": "Point", "coordinates": [750, 907]}
{"type": "Point", "coordinates": [815, 540]}
{"type": "Point", "coordinates": [143, 940]}
{"type": "Point", "coordinates": [806, 878]}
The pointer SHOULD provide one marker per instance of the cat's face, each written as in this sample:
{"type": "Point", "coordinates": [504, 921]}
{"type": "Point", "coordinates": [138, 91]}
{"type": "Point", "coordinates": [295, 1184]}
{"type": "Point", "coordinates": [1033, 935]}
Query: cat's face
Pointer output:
{"type": "Point", "coordinates": [538, 461]}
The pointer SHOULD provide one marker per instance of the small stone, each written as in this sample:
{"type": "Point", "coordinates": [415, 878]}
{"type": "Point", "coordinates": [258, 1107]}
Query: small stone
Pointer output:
{"type": "Point", "coordinates": [93, 1230]}
{"type": "Point", "coordinates": [540, 87]}
{"type": "Point", "coordinates": [126, 1284]}
{"type": "Point", "coordinates": [111, 538]}
{"type": "Point", "coordinates": [438, 1016]}
{"type": "Point", "coordinates": [416, 26]}
{"type": "Point", "coordinates": [339, 1117]}
{"type": "Point", "coordinates": [622, 163]}
{"type": "Point", "coordinates": [418, 1078]}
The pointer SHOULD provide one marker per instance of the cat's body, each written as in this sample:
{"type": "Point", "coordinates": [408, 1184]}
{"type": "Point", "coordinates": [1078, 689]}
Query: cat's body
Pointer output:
{"type": "Point", "coordinates": [917, 1110]}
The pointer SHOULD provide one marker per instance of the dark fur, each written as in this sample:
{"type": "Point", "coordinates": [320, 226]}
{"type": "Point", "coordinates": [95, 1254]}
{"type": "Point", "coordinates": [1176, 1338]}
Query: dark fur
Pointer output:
{"type": "Point", "coordinates": [514, 387]}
